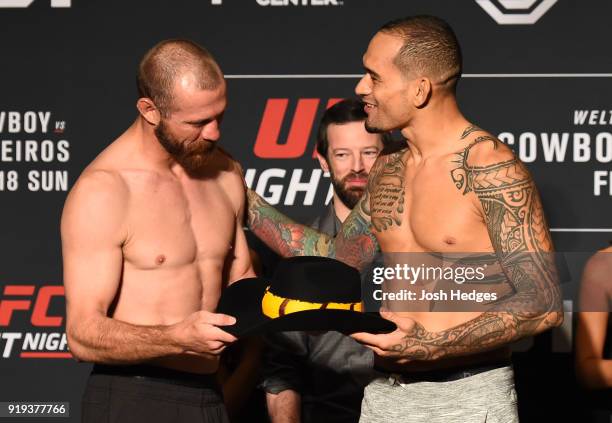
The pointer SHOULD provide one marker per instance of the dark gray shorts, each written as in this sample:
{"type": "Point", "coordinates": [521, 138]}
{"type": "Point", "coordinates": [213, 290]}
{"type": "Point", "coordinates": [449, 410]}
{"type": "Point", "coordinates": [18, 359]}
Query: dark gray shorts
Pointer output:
{"type": "Point", "coordinates": [485, 397]}
{"type": "Point", "coordinates": [116, 398]}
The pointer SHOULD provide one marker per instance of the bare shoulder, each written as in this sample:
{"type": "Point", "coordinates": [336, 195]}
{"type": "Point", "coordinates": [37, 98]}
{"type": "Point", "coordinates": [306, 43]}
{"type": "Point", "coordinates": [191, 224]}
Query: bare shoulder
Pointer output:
{"type": "Point", "coordinates": [98, 199]}
{"type": "Point", "coordinates": [99, 184]}
{"type": "Point", "coordinates": [229, 174]}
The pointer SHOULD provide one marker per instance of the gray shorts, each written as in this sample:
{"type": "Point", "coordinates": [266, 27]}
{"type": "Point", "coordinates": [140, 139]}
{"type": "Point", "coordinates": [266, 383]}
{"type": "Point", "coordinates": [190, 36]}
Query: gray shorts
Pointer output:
{"type": "Point", "coordinates": [485, 397]}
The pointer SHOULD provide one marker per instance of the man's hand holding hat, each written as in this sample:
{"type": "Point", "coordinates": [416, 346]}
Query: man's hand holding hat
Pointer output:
{"type": "Point", "coordinates": [202, 333]}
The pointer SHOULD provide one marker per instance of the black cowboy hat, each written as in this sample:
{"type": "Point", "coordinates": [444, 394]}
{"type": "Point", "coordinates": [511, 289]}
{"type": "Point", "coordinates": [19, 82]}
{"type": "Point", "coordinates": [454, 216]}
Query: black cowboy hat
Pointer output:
{"type": "Point", "coordinates": [305, 294]}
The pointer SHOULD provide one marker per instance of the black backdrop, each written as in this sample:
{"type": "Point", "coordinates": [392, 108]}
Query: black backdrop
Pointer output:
{"type": "Point", "coordinates": [543, 87]}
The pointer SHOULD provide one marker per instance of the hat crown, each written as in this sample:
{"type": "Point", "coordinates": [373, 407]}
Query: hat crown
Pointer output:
{"type": "Point", "coordinates": [317, 280]}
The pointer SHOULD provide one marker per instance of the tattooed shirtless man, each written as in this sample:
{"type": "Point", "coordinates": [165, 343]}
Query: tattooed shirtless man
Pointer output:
{"type": "Point", "coordinates": [456, 189]}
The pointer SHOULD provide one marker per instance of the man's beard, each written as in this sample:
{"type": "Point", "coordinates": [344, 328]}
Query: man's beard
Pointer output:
{"type": "Point", "coordinates": [191, 157]}
{"type": "Point", "coordinates": [349, 196]}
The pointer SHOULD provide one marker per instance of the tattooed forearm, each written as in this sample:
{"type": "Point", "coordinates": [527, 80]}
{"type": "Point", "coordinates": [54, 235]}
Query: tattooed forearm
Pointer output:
{"type": "Point", "coordinates": [488, 331]}
{"type": "Point", "coordinates": [354, 245]}
{"type": "Point", "coordinates": [282, 234]}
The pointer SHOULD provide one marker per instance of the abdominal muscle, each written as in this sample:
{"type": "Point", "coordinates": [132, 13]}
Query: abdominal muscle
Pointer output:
{"type": "Point", "coordinates": [165, 297]}
{"type": "Point", "coordinates": [419, 311]}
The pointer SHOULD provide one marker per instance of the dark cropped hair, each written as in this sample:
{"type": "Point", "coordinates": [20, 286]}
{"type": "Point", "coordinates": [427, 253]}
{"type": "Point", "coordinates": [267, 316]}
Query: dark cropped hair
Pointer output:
{"type": "Point", "coordinates": [346, 111]}
{"type": "Point", "coordinates": [430, 48]}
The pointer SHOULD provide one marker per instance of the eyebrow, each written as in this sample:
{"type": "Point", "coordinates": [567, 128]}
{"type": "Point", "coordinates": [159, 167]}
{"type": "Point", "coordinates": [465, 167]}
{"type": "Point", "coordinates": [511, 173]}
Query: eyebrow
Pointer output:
{"type": "Point", "coordinates": [198, 122]}
{"type": "Point", "coordinates": [341, 149]}
{"type": "Point", "coordinates": [371, 72]}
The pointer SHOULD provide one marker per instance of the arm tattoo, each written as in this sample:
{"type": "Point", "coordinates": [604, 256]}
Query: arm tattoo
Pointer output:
{"type": "Point", "coordinates": [460, 173]}
{"type": "Point", "coordinates": [519, 235]}
{"type": "Point", "coordinates": [354, 245]}
{"type": "Point", "coordinates": [282, 234]}
{"type": "Point", "coordinates": [387, 190]}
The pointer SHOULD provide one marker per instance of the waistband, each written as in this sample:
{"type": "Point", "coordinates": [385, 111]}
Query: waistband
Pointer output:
{"type": "Point", "coordinates": [158, 374]}
{"type": "Point", "coordinates": [448, 375]}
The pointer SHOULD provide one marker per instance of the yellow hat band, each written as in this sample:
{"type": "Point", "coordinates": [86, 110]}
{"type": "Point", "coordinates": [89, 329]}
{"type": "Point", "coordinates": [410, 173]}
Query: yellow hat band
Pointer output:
{"type": "Point", "coordinates": [274, 306]}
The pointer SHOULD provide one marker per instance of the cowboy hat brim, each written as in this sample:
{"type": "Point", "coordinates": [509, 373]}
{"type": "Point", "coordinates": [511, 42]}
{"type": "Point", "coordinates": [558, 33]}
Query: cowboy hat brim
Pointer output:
{"type": "Point", "coordinates": [242, 300]}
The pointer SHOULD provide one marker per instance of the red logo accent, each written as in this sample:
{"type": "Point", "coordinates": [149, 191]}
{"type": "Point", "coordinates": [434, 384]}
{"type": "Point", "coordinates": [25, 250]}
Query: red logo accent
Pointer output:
{"type": "Point", "coordinates": [8, 306]}
{"type": "Point", "coordinates": [267, 144]}
{"type": "Point", "coordinates": [40, 315]}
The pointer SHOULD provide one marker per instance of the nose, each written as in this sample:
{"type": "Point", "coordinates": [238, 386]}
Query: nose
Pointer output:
{"type": "Point", "coordinates": [358, 164]}
{"type": "Point", "coordinates": [211, 131]}
{"type": "Point", "coordinates": [363, 86]}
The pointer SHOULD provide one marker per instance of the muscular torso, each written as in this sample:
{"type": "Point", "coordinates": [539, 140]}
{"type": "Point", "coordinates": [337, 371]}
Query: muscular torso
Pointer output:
{"type": "Point", "coordinates": [419, 208]}
{"type": "Point", "coordinates": [422, 208]}
{"type": "Point", "coordinates": [179, 236]}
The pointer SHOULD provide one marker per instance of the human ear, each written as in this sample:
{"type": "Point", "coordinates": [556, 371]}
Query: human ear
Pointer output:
{"type": "Point", "coordinates": [323, 162]}
{"type": "Point", "coordinates": [422, 92]}
{"type": "Point", "coordinates": [148, 111]}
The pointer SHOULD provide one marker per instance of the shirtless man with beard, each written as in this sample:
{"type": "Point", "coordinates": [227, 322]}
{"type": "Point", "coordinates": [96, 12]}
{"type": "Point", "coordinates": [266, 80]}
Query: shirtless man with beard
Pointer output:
{"type": "Point", "coordinates": [151, 233]}
{"type": "Point", "coordinates": [455, 189]}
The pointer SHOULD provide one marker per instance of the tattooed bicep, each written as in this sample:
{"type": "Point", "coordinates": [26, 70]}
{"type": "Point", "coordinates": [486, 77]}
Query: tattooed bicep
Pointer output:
{"type": "Point", "coordinates": [512, 207]}
{"type": "Point", "coordinates": [376, 169]}
{"type": "Point", "coordinates": [386, 191]}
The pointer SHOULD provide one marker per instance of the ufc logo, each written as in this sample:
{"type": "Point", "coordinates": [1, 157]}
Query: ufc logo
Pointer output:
{"type": "Point", "coordinates": [268, 144]}
{"type": "Point", "coordinates": [516, 12]}
{"type": "Point", "coordinates": [27, 3]}
{"type": "Point", "coordinates": [39, 307]}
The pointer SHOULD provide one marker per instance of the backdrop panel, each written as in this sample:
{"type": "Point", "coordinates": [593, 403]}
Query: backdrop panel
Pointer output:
{"type": "Point", "coordinates": [539, 78]}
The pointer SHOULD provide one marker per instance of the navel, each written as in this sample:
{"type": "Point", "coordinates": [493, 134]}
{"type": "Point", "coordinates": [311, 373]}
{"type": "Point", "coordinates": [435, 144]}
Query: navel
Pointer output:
{"type": "Point", "coordinates": [160, 259]}
{"type": "Point", "coordinates": [449, 240]}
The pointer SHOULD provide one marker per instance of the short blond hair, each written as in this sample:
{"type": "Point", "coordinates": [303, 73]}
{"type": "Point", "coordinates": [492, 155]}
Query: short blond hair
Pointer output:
{"type": "Point", "coordinates": [166, 61]}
